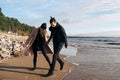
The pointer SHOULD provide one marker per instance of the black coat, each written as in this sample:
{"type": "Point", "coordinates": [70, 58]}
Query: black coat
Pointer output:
{"type": "Point", "coordinates": [58, 34]}
{"type": "Point", "coordinates": [39, 40]}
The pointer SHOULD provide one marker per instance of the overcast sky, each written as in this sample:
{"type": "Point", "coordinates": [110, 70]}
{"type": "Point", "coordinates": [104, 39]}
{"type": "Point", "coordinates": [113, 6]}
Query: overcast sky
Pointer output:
{"type": "Point", "coordinates": [76, 16]}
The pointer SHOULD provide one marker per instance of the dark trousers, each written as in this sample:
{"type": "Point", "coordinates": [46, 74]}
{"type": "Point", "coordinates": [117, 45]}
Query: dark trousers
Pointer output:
{"type": "Point", "coordinates": [57, 49]}
{"type": "Point", "coordinates": [42, 48]}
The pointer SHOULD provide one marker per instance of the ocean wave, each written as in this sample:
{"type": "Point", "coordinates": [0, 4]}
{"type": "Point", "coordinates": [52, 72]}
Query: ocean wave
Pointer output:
{"type": "Point", "coordinates": [101, 40]}
{"type": "Point", "coordinates": [113, 43]}
{"type": "Point", "coordinates": [110, 46]}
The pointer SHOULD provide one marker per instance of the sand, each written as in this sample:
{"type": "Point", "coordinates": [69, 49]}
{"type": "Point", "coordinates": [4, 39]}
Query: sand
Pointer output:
{"type": "Point", "coordinates": [18, 69]}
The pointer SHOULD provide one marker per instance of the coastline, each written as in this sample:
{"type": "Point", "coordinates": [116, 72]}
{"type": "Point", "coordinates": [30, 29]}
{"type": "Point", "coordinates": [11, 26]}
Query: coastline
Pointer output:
{"type": "Point", "coordinates": [69, 71]}
{"type": "Point", "coordinates": [70, 52]}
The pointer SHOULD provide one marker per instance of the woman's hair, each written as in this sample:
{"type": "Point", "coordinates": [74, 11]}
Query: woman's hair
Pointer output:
{"type": "Point", "coordinates": [43, 26]}
{"type": "Point", "coordinates": [52, 19]}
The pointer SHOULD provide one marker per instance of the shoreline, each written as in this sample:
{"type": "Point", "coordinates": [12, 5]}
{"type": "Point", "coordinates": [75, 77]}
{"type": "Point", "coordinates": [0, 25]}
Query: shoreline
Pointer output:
{"type": "Point", "coordinates": [75, 64]}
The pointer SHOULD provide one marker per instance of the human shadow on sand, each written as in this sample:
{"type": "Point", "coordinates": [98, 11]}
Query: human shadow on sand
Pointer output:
{"type": "Point", "coordinates": [20, 67]}
{"type": "Point", "coordinates": [8, 68]}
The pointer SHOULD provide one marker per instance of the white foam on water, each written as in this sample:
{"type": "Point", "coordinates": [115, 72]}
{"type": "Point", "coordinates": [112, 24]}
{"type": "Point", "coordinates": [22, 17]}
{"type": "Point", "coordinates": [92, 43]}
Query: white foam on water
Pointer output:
{"type": "Point", "coordinates": [70, 51]}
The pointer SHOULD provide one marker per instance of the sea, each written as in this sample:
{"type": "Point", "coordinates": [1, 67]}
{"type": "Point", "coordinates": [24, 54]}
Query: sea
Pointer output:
{"type": "Point", "coordinates": [75, 42]}
{"type": "Point", "coordinates": [95, 40]}
{"type": "Point", "coordinates": [96, 58]}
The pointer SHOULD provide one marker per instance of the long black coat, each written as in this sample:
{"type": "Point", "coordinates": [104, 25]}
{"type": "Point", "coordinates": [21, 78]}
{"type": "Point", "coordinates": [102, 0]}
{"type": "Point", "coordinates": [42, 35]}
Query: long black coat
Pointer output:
{"type": "Point", "coordinates": [58, 34]}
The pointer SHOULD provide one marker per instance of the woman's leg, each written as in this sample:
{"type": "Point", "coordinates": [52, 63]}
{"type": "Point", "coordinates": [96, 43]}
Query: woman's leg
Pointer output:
{"type": "Point", "coordinates": [34, 59]}
{"type": "Point", "coordinates": [45, 54]}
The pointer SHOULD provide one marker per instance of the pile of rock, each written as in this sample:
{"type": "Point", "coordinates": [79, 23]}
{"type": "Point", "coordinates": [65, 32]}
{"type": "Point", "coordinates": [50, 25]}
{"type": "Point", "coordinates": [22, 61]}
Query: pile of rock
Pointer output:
{"type": "Point", "coordinates": [10, 45]}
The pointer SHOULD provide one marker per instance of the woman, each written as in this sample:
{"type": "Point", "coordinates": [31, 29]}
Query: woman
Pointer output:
{"type": "Point", "coordinates": [37, 42]}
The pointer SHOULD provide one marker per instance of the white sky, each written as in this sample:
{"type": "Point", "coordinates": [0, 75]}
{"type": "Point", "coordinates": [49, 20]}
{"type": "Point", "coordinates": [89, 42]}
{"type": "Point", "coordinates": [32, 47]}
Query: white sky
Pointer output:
{"type": "Point", "coordinates": [76, 16]}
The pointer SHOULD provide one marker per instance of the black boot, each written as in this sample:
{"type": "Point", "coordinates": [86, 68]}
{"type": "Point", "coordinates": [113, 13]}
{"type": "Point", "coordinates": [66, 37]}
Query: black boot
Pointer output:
{"type": "Point", "coordinates": [50, 73]}
{"type": "Point", "coordinates": [61, 65]}
{"type": "Point", "coordinates": [33, 68]}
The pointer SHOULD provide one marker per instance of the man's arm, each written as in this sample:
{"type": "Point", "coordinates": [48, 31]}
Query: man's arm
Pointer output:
{"type": "Point", "coordinates": [64, 36]}
{"type": "Point", "coordinates": [50, 38]}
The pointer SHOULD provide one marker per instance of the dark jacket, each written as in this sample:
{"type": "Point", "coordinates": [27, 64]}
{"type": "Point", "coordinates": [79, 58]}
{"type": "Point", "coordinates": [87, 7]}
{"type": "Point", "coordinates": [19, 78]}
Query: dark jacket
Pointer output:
{"type": "Point", "coordinates": [58, 34]}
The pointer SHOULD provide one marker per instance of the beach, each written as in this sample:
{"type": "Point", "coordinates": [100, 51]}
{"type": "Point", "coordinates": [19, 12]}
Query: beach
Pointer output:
{"type": "Point", "coordinates": [86, 58]}
{"type": "Point", "coordinates": [17, 66]}
{"type": "Point", "coordinates": [18, 69]}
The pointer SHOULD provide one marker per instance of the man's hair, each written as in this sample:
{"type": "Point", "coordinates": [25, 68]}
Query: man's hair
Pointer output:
{"type": "Point", "coordinates": [43, 26]}
{"type": "Point", "coordinates": [52, 19]}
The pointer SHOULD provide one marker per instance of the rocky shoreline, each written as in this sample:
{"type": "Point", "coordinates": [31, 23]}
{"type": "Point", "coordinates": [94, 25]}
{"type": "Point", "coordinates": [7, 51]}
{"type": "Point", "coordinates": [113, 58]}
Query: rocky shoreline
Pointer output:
{"type": "Point", "coordinates": [10, 45]}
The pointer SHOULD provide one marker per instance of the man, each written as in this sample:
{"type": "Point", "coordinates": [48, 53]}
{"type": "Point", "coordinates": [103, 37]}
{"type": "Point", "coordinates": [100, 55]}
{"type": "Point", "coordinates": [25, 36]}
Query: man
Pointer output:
{"type": "Point", "coordinates": [59, 39]}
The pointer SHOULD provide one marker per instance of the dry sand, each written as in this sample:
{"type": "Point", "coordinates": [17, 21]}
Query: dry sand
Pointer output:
{"type": "Point", "coordinates": [18, 69]}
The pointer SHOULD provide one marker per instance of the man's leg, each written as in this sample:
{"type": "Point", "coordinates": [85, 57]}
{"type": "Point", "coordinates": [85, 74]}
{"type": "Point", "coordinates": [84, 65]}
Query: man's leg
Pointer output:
{"type": "Point", "coordinates": [58, 58]}
{"type": "Point", "coordinates": [57, 49]}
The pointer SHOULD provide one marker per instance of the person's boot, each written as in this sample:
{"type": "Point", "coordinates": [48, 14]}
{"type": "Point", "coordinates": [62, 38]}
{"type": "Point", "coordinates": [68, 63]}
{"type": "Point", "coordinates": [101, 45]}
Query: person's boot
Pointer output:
{"type": "Point", "coordinates": [61, 65]}
{"type": "Point", "coordinates": [50, 73]}
{"type": "Point", "coordinates": [33, 68]}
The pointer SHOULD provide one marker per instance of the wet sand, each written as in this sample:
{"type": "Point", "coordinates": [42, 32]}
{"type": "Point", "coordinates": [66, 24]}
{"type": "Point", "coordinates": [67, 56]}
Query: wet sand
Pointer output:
{"type": "Point", "coordinates": [18, 69]}
{"type": "Point", "coordinates": [95, 63]}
